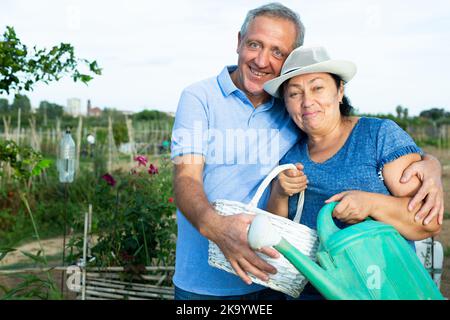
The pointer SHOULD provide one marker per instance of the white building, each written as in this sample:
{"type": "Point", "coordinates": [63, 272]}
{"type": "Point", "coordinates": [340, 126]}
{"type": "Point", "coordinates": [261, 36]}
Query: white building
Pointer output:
{"type": "Point", "coordinates": [73, 107]}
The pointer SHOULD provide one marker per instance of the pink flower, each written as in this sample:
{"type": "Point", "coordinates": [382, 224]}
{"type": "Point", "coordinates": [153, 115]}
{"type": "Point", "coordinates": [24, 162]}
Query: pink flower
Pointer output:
{"type": "Point", "coordinates": [152, 169]}
{"type": "Point", "coordinates": [109, 179]}
{"type": "Point", "coordinates": [170, 200]}
{"type": "Point", "coordinates": [142, 160]}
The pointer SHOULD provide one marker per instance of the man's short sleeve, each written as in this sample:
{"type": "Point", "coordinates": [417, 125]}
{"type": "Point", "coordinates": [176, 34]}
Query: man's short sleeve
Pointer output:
{"type": "Point", "coordinates": [191, 124]}
{"type": "Point", "coordinates": [392, 143]}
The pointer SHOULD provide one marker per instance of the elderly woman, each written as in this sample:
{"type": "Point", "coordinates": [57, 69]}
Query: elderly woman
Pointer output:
{"type": "Point", "coordinates": [357, 161]}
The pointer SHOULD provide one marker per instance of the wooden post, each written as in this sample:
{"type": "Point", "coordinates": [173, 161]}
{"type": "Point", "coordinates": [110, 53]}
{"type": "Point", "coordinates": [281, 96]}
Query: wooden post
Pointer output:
{"type": "Point", "coordinates": [6, 124]}
{"type": "Point", "coordinates": [18, 127]}
{"type": "Point", "coordinates": [83, 288]}
{"type": "Point", "coordinates": [131, 139]}
{"type": "Point", "coordinates": [110, 144]}
{"type": "Point", "coordinates": [58, 134]}
{"type": "Point", "coordinates": [80, 125]}
{"type": "Point", "coordinates": [89, 230]}
{"type": "Point", "coordinates": [35, 143]}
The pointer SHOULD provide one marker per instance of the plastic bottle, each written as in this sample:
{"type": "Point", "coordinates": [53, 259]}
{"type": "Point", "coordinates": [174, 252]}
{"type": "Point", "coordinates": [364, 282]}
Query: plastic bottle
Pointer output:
{"type": "Point", "coordinates": [66, 158]}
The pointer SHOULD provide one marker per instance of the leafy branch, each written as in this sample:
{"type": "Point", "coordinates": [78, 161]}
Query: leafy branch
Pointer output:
{"type": "Point", "coordinates": [21, 68]}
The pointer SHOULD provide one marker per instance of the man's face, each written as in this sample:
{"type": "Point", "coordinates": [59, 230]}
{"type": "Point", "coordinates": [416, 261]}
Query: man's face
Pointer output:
{"type": "Point", "coordinates": [262, 52]}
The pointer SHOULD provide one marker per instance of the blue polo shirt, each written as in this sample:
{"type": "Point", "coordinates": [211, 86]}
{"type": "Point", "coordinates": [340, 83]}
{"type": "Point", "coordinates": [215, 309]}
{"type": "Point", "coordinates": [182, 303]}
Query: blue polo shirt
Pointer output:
{"type": "Point", "coordinates": [241, 145]}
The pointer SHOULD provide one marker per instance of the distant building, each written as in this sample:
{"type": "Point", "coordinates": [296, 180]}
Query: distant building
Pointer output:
{"type": "Point", "coordinates": [73, 107]}
{"type": "Point", "coordinates": [93, 111]}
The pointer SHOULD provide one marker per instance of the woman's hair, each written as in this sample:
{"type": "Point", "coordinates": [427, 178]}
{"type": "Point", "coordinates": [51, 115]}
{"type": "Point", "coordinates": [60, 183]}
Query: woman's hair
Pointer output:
{"type": "Point", "coordinates": [276, 10]}
{"type": "Point", "coordinates": [344, 107]}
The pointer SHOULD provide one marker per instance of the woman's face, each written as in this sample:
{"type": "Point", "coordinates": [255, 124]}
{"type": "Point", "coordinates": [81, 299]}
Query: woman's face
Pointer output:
{"type": "Point", "coordinates": [312, 101]}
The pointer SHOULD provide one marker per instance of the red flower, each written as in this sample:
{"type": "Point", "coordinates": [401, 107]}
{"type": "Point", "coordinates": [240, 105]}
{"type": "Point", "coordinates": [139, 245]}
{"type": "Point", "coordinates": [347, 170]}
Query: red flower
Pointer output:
{"type": "Point", "coordinates": [109, 179]}
{"type": "Point", "coordinates": [142, 160]}
{"type": "Point", "coordinates": [152, 169]}
{"type": "Point", "coordinates": [125, 256]}
{"type": "Point", "coordinates": [170, 200]}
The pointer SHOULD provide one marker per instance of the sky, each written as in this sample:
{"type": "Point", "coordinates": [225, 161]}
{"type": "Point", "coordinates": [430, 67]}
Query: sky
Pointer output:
{"type": "Point", "coordinates": [151, 50]}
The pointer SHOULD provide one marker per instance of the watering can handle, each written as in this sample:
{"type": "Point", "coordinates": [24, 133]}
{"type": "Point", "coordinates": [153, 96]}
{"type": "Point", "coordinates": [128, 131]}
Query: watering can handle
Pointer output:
{"type": "Point", "coordinates": [272, 175]}
{"type": "Point", "coordinates": [325, 224]}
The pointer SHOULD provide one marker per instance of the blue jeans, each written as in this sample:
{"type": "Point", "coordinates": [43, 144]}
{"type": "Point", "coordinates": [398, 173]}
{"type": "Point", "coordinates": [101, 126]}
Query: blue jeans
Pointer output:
{"type": "Point", "coordinates": [265, 294]}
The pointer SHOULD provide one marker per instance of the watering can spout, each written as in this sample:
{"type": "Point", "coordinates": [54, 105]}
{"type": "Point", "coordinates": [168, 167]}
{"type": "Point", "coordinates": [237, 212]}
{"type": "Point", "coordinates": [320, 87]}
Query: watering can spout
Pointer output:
{"type": "Point", "coordinates": [320, 278]}
{"type": "Point", "coordinates": [263, 234]}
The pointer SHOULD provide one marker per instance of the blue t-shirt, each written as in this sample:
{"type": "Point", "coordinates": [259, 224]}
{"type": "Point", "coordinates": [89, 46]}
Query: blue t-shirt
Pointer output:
{"type": "Point", "coordinates": [357, 165]}
{"type": "Point", "coordinates": [241, 145]}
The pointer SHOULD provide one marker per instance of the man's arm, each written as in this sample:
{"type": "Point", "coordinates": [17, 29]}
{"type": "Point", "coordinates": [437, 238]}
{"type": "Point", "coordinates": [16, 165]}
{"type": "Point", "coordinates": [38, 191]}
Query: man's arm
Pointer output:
{"type": "Point", "coordinates": [228, 232]}
{"type": "Point", "coordinates": [355, 206]}
{"type": "Point", "coordinates": [429, 172]}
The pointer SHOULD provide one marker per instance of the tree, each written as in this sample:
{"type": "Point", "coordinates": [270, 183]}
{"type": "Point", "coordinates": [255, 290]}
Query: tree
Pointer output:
{"type": "Point", "coordinates": [399, 111]}
{"type": "Point", "coordinates": [22, 102]}
{"type": "Point", "coordinates": [4, 105]}
{"type": "Point", "coordinates": [434, 114]}
{"type": "Point", "coordinates": [405, 113]}
{"type": "Point", "coordinates": [21, 68]}
{"type": "Point", "coordinates": [148, 115]}
{"type": "Point", "coordinates": [50, 110]}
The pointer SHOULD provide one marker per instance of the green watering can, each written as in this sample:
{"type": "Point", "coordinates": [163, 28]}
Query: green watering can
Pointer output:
{"type": "Point", "coordinates": [366, 261]}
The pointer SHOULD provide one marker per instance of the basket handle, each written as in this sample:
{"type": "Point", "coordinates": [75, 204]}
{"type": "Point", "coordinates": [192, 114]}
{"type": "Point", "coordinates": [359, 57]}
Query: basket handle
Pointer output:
{"type": "Point", "coordinates": [262, 187]}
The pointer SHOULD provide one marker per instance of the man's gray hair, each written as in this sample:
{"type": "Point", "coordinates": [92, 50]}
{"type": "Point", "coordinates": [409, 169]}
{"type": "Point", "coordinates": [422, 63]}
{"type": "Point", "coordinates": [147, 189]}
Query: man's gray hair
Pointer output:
{"type": "Point", "coordinates": [276, 10]}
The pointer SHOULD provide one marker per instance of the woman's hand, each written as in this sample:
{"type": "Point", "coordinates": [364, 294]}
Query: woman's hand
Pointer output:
{"type": "Point", "coordinates": [429, 172]}
{"type": "Point", "coordinates": [353, 207]}
{"type": "Point", "coordinates": [291, 182]}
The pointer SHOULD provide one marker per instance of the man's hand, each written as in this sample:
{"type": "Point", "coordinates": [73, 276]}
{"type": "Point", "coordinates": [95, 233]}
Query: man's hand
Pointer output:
{"type": "Point", "coordinates": [230, 235]}
{"type": "Point", "coordinates": [429, 171]}
{"type": "Point", "coordinates": [353, 206]}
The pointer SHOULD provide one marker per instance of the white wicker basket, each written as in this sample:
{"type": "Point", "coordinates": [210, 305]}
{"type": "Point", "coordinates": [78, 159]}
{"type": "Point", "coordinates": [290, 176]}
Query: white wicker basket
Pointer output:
{"type": "Point", "coordinates": [287, 279]}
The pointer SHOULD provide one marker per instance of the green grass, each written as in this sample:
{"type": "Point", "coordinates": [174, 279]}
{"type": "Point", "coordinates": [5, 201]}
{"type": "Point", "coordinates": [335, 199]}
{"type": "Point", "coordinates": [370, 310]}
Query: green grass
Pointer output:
{"type": "Point", "coordinates": [53, 260]}
{"type": "Point", "coordinates": [447, 252]}
{"type": "Point", "coordinates": [446, 215]}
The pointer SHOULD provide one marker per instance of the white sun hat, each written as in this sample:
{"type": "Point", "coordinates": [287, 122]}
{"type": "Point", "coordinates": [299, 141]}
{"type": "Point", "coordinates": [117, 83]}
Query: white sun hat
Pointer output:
{"type": "Point", "coordinates": [305, 60]}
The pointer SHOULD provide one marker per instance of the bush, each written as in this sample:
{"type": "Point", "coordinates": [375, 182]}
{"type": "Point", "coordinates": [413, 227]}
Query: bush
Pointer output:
{"type": "Point", "coordinates": [133, 217]}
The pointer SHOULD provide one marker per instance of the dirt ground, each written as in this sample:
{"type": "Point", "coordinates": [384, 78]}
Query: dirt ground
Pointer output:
{"type": "Point", "coordinates": [52, 247]}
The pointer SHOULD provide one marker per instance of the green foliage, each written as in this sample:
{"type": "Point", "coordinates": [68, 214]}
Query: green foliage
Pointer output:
{"type": "Point", "coordinates": [28, 163]}
{"type": "Point", "coordinates": [32, 287]}
{"type": "Point", "coordinates": [21, 68]}
{"type": "Point", "coordinates": [4, 105]}
{"type": "Point", "coordinates": [447, 252]}
{"type": "Point", "coordinates": [21, 102]}
{"type": "Point", "coordinates": [134, 219]}
{"type": "Point", "coordinates": [50, 110]}
{"type": "Point", "coordinates": [435, 114]}
{"type": "Point", "coordinates": [148, 115]}
{"type": "Point", "coordinates": [4, 251]}
{"type": "Point", "coordinates": [23, 160]}
{"type": "Point", "coordinates": [120, 133]}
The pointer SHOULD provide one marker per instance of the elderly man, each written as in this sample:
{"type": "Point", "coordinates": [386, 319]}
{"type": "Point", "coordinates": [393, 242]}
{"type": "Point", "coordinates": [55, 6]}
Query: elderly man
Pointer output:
{"type": "Point", "coordinates": [212, 115]}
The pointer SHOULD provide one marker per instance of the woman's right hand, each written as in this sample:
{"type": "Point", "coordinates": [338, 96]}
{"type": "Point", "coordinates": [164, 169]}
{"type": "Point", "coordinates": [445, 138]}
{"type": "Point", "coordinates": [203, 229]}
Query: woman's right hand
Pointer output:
{"type": "Point", "coordinates": [291, 181]}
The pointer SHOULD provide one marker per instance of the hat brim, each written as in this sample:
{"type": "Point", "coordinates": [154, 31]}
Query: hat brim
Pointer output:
{"type": "Point", "coordinates": [344, 69]}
